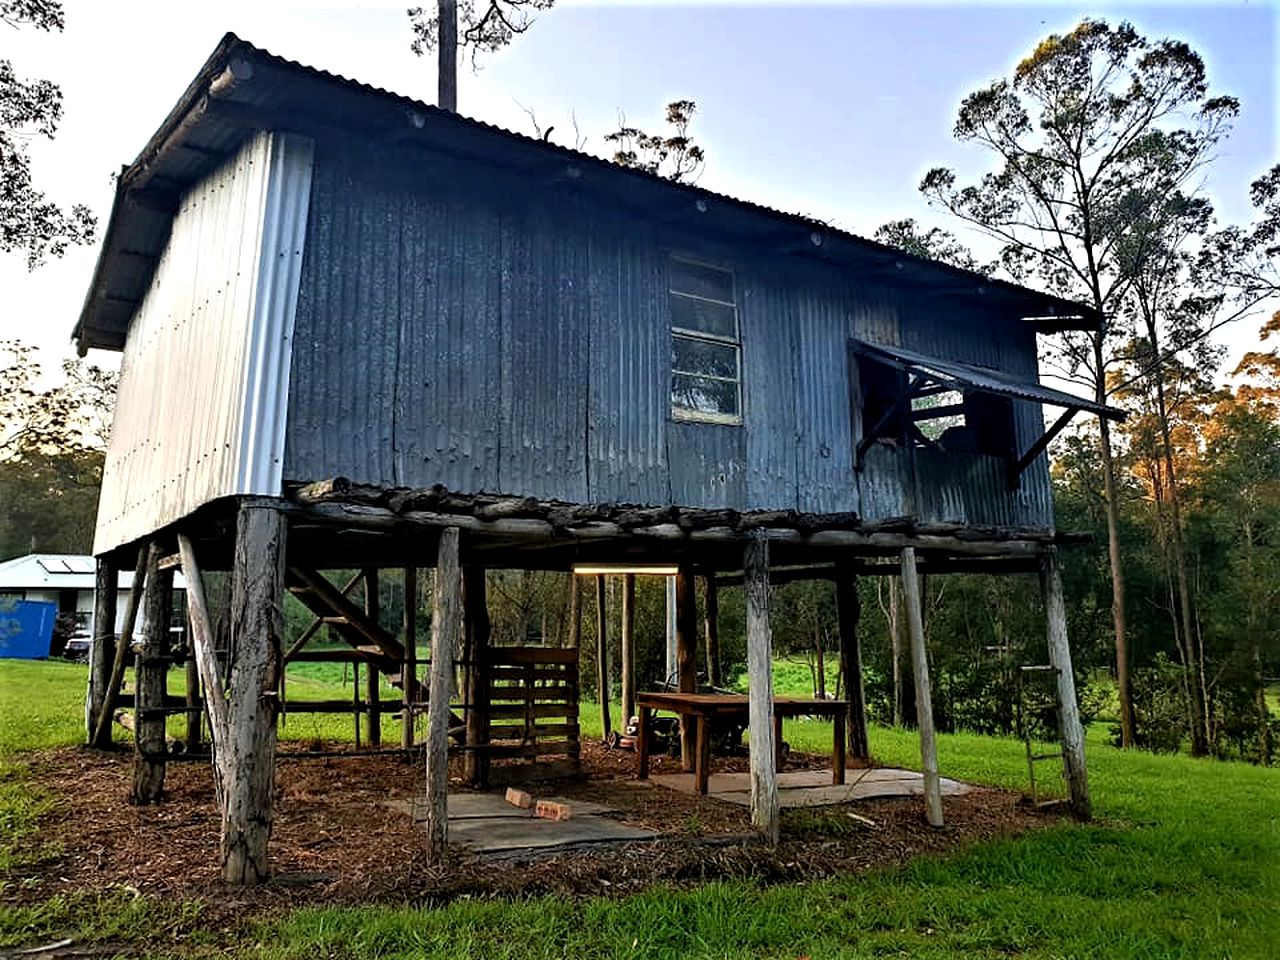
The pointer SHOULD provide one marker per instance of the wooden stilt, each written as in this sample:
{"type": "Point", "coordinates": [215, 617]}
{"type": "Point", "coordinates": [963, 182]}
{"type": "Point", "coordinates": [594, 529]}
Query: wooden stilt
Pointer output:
{"type": "Point", "coordinates": [711, 629]}
{"type": "Point", "coordinates": [373, 676]}
{"type": "Point", "coordinates": [102, 652]}
{"type": "Point", "coordinates": [1071, 731]}
{"type": "Point", "coordinates": [765, 813]}
{"type": "Point", "coordinates": [687, 658]}
{"type": "Point", "coordinates": [247, 758]}
{"type": "Point", "coordinates": [573, 632]}
{"type": "Point", "coordinates": [149, 680]}
{"type": "Point", "coordinates": [446, 630]}
{"type": "Point", "coordinates": [924, 697]}
{"type": "Point", "coordinates": [478, 629]}
{"type": "Point", "coordinates": [628, 648]}
{"type": "Point", "coordinates": [849, 611]}
{"type": "Point", "coordinates": [409, 665]}
{"type": "Point", "coordinates": [602, 659]}
{"type": "Point", "coordinates": [124, 644]}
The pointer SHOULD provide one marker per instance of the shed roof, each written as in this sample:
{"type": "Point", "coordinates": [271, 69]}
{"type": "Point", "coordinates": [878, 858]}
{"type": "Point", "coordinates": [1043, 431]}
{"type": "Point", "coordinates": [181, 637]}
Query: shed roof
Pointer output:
{"type": "Point", "coordinates": [59, 571]}
{"type": "Point", "coordinates": [242, 88]}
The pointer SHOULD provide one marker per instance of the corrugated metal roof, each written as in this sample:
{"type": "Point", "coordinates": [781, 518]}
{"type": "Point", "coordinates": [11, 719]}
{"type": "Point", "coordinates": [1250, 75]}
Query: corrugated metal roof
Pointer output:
{"type": "Point", "coordinates": [242, 89]}
{"type": "Point", "coordinates": [60, 571]}
{"type": "Point", "coordinates": [983, 378]}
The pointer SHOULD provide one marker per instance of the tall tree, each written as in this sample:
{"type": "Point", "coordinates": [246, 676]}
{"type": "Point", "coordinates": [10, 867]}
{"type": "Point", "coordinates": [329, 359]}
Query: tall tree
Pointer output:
{"type": "Point", "coordinates": [934, 244]}
{"type": "Point", "coordinates": [675, 156]}
{"type": "Point", "coordinates": [30, 224]}
{"type": "Point", "coordinates": [485, 29]}
{"type": "Point", "coordinates": [1092, 121]}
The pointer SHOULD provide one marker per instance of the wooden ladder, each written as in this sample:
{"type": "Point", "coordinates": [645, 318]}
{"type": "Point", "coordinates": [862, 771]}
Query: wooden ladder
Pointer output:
{"type": "Point", "coordinates": [375, 645]}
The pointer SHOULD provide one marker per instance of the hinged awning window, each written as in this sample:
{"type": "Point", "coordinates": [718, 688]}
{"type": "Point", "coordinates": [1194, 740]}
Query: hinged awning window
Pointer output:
{"type": "Point", "coordinates": [925, 374]}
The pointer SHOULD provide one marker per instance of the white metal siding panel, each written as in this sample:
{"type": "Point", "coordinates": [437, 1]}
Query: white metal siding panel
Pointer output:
{"type": "Point", "coordinates": [200, 410]}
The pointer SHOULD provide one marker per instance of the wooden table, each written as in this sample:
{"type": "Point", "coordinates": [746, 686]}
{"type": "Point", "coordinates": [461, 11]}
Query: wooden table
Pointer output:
{"type": "Point", "coordinates": [703, 709]}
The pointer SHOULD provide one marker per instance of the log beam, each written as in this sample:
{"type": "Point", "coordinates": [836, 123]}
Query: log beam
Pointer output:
{"type": "Point", "coordinates": [124, 647]}
{"type": "Point", "coordinates": [479, 630]}
{"type": "Point", "coordinates": [1071, 730]}
{"type": "Point", "coordinates": [246, 758]}
{"type": "Point", "coordinates": [149, 676]}
{"type": "Point", "coordinates": [628, 648]}
{"type": "Point", "coordinates": [102, 653]}
{"type": "Point", "coordinates": [687, 658]}
{"type": "Point", "coordinates": [765, 810]}
{"type": "Point", "coordinates": [409, 666]}
{"type": "Point", "coordinates": [602, 658]}
{"type": "Point", "coordinates": [446, 629]}
{"type": "Point", "coordinates": [849, 613]}
{"type": "Point", "coordinates": [924, 702]}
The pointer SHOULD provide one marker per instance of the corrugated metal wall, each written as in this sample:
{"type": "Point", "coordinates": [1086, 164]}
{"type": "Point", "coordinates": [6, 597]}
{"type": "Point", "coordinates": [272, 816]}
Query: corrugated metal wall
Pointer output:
{"type": "Point", "coordinates": [455, 328]}
{"type": "Point", "coordinates": [200, 412]}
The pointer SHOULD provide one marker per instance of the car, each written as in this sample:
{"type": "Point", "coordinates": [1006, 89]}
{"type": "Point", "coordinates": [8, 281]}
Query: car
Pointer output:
{"type": "Point", "coordinates": [78, 647]}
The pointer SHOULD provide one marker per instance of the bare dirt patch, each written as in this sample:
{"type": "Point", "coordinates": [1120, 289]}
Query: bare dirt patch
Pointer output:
{"type": "Point", "coordinates": [337, 841]}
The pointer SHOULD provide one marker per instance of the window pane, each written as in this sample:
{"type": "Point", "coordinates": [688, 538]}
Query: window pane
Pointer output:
{"type": "Point", "coordinates": [704, 396]}
{"type": "Point", "coordinates": [714, 318]}
{"type": "Point", "coordinates": [701, 281]}
{"type": "Point", "coordinates": [701, 356]}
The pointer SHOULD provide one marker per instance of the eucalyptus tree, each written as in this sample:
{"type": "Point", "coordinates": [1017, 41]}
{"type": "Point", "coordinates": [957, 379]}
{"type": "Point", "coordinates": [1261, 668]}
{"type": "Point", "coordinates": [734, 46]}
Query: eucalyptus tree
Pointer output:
{"type": "Point", "coordinates": [934, 244]}
{"type": "Point", "coordinates": [31, 224]}
{"type": "Point", "coordinates": [675, 155]}
{"type": "Point", "coordinates": [485, 28]}
{"type": "Point", "coordinates": [1091, 123]}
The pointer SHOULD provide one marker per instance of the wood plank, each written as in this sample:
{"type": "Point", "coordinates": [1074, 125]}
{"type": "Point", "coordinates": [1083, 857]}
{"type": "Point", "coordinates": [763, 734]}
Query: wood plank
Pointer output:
{"type": "Point", "coordinates": [560, 692]}
{"type": "Point", "coordinates": [522, 731]}
{"type": "Point", "coordinates": [519, 656]}
{"type": "Point", "coordinates": [514, 711]}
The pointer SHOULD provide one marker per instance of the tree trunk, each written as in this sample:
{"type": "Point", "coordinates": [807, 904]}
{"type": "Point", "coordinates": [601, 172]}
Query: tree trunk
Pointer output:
{"type": "Point", "coordinates": [372, 676]}
{"type": "Point", "coordinates": [628, 648]}
{"type": "Point", "coordinates": [1070, 729]}
{"type": "Point", "coordinates": [409, 664]}
{"type": "Point", "coordinates": [447, 52]}
{"type": "Point", "coordinates": [602, 658]}
{"type": "Point", "coordinates": [686, 656]}
{"type": "Point", "coordinates": [247, 758]}
{"type": "Point", "coordinates": [711, 629]}
{"type": "Point", "coordinates": [1124, 690]}
{"type": "Point", "coordinates": [478, 630]}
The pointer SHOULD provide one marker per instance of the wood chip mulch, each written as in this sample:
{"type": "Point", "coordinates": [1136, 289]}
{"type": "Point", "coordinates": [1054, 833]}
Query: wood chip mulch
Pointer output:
{"type": "Point", "coordinates": [336, 840]}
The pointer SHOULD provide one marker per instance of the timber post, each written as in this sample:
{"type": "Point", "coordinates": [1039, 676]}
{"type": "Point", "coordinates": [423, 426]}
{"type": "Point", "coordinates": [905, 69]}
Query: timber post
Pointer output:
{"type": "Point", "coordinates": [686, 657]}
{"type": "Point", "coordinates": [602, 658]}
{"type": "Point", "coordinates": [102, 653]}
{"type": "Point", "coordinates": [247, 758]}
{"type": "Point", "coordinates": [711, 629]}
{"type": "Point", "coordinates": [373, 676]}
{"type": "Point", "coordinates": [446, 625]}
{"type": "Point", "coordinates": [765, 811]}
{"type": "Point", "coordinates": [849, 614]}
{"type": "Point", "coordinates": [475, 598]}
{"type": "Point", "coordinates": [192, 679]}
{"type": "Point", "coordinates": [101, 737]}
{"type": "Point", "coordinates": [409, 662]}
{"type": "Point", "coordinates": [151, 673]}
{"type": "Point", "coordinates": [924, 698]}
{"type": "Point", "coordinates": [1071, 731]}
{"type": "Point", "coordinates": [628, 648]}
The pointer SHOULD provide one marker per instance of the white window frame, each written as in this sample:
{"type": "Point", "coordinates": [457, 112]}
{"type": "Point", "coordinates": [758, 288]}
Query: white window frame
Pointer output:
{"type": "Point", "coordinates": [685, 414]}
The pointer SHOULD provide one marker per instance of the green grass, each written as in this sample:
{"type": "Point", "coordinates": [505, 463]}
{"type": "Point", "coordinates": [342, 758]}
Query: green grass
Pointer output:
{"type": "Point", "coordinates": [1181, 863]}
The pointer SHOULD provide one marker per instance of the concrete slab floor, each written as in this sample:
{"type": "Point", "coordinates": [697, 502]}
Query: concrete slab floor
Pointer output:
{"type": "Point", "coordinates": [486, 823]}
{"type": "Point", "coordinates": [813, 788]}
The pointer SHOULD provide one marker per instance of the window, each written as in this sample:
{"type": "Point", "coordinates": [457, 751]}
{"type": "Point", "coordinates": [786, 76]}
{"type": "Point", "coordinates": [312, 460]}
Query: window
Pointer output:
{"type": "Point", "coordinates": [706, 354]}
{"type": "Point", "coordinates": [901, 407]}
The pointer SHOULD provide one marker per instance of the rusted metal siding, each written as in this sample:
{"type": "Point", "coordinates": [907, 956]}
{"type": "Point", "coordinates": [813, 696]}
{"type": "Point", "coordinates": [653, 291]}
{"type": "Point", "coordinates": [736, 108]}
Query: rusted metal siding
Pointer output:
{"type": "Point", "coordinates": [200, 412]}
{"type": "Point", "coordinates": [452, 329]}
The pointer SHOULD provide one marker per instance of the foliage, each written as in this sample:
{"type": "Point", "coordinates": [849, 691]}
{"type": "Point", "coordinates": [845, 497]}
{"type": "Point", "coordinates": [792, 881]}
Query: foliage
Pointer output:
{"type": "Point", "coordinates": [486, 30]}
{"type": "Point", "coordinates": [675, 156]}
{"type": "Point", "coordinates": [51, 452]}
{"type": "Point", "coordinates": [29, 223]}
{"type": "Point", "coordinates": [932, 244]}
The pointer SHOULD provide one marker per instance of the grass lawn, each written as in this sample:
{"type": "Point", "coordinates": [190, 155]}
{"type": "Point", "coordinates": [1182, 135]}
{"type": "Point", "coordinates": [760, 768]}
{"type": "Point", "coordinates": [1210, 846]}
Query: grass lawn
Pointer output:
{"type": "Point", "coordinates": [1184, 861]}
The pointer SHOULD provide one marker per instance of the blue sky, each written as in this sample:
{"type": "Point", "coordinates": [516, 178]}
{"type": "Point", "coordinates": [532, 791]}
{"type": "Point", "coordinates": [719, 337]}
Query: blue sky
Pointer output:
{"type": "Point", "coordinates": [833, 111]}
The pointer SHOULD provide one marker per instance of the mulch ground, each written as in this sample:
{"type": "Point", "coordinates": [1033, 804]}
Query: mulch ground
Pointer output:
{"type": "Point", "coordinates": [335, 840]}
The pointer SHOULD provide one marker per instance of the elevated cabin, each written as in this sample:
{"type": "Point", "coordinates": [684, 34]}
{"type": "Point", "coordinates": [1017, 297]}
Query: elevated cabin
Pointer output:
{"type": "Point", "coordinates": [322, 290]}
